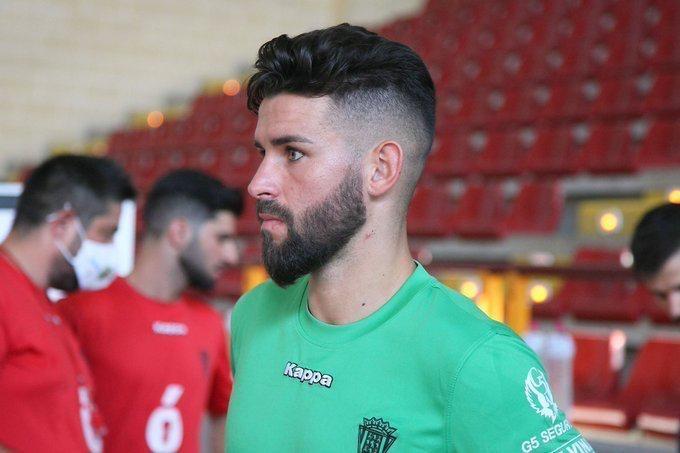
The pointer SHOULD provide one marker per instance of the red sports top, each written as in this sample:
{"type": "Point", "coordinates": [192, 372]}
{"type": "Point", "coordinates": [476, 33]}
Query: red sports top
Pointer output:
{"type": "Point", "coordinates": [157, 366]}
{"type": "Point", "coordinates": [45, 385]}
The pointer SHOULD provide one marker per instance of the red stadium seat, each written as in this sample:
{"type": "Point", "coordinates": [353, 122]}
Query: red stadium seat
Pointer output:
{"type": "Point", "coordinates": [595, 376]}
{"type": "Point", "coordinates": [650, 397]}
{"type": "Point", "coordinates": [607, 97]}
{"type": "Point", "coordinates": [664, 95]}
{"type": "Point", "coordinates": [480, 212]}
{"type": "Point", "coordinates": [558, 101]}
{"type": "Point", "coordinates": [248, 223]}
{"type": "Point", "coordinates": [652, 394]}
{"type": "Point", "coordinates": [556, 150]}
{"type": "Point", "coordinates": [537, 209]}
{"type": "Point", "coordinates": [430, 210]}
{"type": "Point", "coordinates": [660, 146]}
{"type": "Point", "coordinates": [236, 162]}
{"type": "Point", "coordinates": [502, 153]}
{"type": "Point", "coordinates": [600, 298]}
{"type": "Point", "coordinates": [658, 47]}
{"type": "Point", "coordinates": [452, 154]}
{"type": "Point", "coordinates": [610, 149]}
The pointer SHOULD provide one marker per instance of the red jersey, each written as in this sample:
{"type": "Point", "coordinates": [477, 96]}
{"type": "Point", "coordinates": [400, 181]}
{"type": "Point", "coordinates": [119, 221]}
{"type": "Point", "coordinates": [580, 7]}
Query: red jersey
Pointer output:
{"type": "Point", "coordinates": [45, 385]}
{"type": "Point", "coordinates": [157, 366]}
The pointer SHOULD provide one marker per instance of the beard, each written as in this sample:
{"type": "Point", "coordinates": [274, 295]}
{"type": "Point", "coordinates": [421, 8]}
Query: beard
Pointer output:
{"type": "Point", "coordinates": [324, 230]}
{"type": "Point", "coordinates": [62, 275]}
{"type": "Point", "coordinates": [192, 263]}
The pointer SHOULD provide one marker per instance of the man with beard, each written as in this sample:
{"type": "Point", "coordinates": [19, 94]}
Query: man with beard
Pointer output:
{"type": "Point", "coordinates": [656, 255]}
{"type": "Point", "coordinates": [353, 346]}
{"type": "Point", "coordinates": [158, 356]}
{"type": "Point", "coordinates": [45, 385]}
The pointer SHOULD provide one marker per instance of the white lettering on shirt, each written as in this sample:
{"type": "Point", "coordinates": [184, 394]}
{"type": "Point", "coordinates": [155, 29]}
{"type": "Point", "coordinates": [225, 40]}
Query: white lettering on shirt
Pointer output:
{"type": "Point", "coordinates": [292, 370]}
{"type": "Point", "coordinates": [169, 328]}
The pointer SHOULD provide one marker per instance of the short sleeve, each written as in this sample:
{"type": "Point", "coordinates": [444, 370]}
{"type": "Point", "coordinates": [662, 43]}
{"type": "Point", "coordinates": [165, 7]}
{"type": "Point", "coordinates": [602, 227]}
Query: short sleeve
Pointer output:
{"type": "Point", "coordinates": [222, 380]}
{"type": "Point", "coordinates": [501, 401]}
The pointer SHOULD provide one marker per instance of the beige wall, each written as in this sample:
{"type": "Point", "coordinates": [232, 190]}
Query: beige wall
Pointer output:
{"type": "Point", "coordinates": [73, 69]}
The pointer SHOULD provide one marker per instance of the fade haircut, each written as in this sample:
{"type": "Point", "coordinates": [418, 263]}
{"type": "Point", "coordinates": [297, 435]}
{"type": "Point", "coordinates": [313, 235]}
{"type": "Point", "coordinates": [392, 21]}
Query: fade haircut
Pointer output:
{"type": "Point", "coordinates": [380, 89]}
{"type": "Point", "coordinates": [656, 239]}
{"type": "Point", "coordinates": [85, 183]}
{"type": "Point", "coordinates": [190, 194]}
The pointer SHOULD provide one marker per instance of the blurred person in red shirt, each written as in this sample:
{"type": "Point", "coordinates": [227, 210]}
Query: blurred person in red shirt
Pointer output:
{"type": "Point", "coordinates": [45, 385]}
{"type": "Point", "coordinates": [159, 357]}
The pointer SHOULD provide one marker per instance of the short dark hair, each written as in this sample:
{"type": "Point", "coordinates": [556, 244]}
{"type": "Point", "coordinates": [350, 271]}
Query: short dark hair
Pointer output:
{"type": "Point", "coordinates": [656, 239]}
{"type": "Point", "coordinates": [187, 193]}
{"type": "Point", "coordinates": [361, 72]}
{"type": "Point", "coordinates": [85, 183]}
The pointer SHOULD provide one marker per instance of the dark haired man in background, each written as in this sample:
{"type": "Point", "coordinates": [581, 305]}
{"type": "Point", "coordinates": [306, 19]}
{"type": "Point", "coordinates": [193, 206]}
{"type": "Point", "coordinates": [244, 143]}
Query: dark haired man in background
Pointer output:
{"type": "Point", "coordinates": [45, 386]}
{"type": "Point", "coordinates": [656, 255]}
{"type": "Point", "coordinates": [158, 357]}
{"type": "Point", "coordinates": [354, 346]}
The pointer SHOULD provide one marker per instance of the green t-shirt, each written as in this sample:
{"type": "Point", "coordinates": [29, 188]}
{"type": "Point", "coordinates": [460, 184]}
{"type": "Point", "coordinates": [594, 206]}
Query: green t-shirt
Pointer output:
{"type": "Point", "coordinates": [427, 372]}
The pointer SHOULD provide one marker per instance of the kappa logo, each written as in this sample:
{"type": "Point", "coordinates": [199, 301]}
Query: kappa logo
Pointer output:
{"type": "Point", "coordinates": [292, 370]}
{"type": "Point", "coordinates": [538, 394]}
{"type": "Point", "coordinates": [375, 436]}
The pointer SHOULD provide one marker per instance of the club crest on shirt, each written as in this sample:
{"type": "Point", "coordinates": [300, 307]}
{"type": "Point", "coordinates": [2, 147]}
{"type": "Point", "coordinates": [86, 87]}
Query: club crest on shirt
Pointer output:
{"type": "Point", "coordinates": [375, 436]}
{"type": "Point", "coordinates": [538, 394]}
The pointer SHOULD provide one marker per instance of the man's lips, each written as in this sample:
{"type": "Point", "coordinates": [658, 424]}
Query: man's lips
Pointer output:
{"type": "Point", "coordinates": [265, 217]}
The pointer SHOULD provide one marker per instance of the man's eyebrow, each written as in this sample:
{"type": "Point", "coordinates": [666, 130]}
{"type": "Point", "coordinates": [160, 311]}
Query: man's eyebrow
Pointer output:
{"type": "Point", "coordinates": [283, 140]}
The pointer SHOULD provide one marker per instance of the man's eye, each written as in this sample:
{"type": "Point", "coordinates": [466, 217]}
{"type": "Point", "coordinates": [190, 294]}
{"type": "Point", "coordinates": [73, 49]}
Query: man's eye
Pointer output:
{"type": "Point", "coordinates": [294, 154]}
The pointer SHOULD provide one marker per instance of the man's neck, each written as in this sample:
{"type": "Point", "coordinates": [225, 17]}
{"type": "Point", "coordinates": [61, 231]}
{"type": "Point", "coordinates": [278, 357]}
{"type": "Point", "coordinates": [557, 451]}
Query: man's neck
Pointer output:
{"type": "Point", "coordinates": [360, 281]}
{"type": "Point", "coordinates": [28, 253]}
{"type": "Point", "coordinates": [157, 275]}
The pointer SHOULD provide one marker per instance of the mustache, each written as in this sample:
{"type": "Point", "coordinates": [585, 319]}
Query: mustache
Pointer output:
{"type": "Point", "coordinates": [273, 208]}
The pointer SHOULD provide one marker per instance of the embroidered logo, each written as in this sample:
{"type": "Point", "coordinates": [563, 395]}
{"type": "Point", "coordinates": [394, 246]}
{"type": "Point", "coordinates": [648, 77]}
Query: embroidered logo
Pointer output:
{"type": "Point", "coordinates": [375, 436]}
{"type": "Point", "coordinates": [538, 394]}
{"type": "Point", "coordinates": [311, 377]}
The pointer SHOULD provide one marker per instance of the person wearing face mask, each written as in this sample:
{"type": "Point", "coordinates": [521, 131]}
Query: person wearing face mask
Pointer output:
{"type": "Point", "coordinates": [158, 356]}
{"type": "Point", "coordinates": [45, 385]}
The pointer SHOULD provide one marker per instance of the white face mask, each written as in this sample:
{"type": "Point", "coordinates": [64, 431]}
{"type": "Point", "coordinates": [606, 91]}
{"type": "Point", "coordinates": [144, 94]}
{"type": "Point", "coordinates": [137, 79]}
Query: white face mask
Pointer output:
{"type": "Point", "coordinates": [95, 262]}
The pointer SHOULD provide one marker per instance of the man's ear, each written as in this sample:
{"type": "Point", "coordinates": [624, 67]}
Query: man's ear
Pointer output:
{"type": "Point", "coordinates": [384, 165]}
{"type": "Point", "coordinates": [179, 233]}
{"type": "Point", "coordinates": [61, 223]}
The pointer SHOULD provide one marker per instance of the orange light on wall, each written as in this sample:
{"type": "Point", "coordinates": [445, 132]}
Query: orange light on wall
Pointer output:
{"type": "Point", "coordinates": [674, 196]}
{"type": "Point", "coordinates": [470, 289]}
{"type": "Point", "coordinates": [610, 222]}
{"type": "Point", "coordinates": [231, 87]}
{"type": "Point", "coordinates": [539, 292]}
{"type": "Point", "coordinates": [154, 119]}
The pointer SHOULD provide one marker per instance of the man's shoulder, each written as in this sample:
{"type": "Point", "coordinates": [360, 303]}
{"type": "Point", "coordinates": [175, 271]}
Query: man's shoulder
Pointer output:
{"type": "Point", "coordinates": [85, 307]}
{"type": "Point", "coordinates": [456, 313]}
{"type": "Point", "coordinates": [98, 297]}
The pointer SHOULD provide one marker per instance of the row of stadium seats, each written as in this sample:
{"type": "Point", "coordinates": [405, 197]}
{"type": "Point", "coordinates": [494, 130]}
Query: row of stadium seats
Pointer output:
{"type": "Point", "coordinates": [481, 210]}
{"type": "Point", "coordinates": [518, 40]}
{"type": "Point", "coordinates": [650, 397]}
{"type": "Point", "coordinates": [596, 147]}
{"type": "Point", "coordinates": [598, 298]}
{"type": "Point", "coordinates": [577, 99]}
